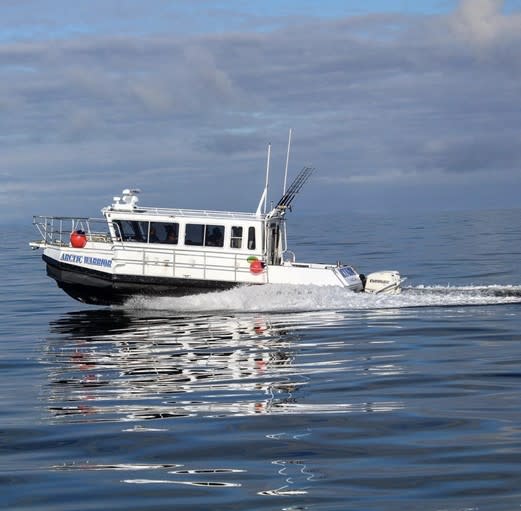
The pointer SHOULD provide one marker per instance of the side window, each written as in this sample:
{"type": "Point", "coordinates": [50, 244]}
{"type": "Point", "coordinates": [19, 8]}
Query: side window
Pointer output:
{"type": "Point", "coordinates": [194, 234]}
{"type": "Point", "coordinates": [236, 237]}
{"type": "Point", "coordinates": [214, 236]}
{"type": "Point", "coordinates": [131, 230]}
{"type": "Point", "coordinates": [251, 238]}
{"type": "Point", "coordinates": [162, 232]}
{"type": "Point", "coordinates": [207, 235]}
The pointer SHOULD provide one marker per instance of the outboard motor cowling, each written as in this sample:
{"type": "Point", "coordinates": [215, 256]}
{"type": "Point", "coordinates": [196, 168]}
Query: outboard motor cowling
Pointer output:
{"type": "Point", "coordinates": [383, 282]}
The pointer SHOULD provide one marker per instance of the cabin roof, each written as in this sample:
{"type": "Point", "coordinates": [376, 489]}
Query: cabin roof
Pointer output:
{"type": "Point", "coordinates": [126, 207]}
{"type": "Point", "coordinates": [140, 212]}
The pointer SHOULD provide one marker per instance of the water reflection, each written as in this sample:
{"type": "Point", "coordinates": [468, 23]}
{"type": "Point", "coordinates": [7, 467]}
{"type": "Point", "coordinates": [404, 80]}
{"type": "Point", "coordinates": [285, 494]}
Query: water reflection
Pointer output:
{"type": "Point", "coordinates": [290, 471]}
{"type": "Point", "coordinates": [165, 470]}
{"type": "Point", "coordinates": [115, 365]}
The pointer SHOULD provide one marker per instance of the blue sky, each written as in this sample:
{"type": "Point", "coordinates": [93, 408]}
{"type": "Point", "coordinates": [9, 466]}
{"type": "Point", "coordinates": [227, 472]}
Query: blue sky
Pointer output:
{"type": "Point", "coordinates": [25, 20]}
{"type": "Point", "coordinates": [399, 104]}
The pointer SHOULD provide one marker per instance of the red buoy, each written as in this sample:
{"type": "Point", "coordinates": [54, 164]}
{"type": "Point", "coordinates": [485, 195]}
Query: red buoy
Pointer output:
{"type": "Point", "coordinates": [78, 239]}
{"type": "Point", "coordinates": [256, 266]}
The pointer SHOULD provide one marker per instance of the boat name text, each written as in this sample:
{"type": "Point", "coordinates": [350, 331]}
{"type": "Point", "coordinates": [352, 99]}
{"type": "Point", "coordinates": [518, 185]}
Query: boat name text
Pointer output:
{"type": "Point", "coordinates": [81, 259]}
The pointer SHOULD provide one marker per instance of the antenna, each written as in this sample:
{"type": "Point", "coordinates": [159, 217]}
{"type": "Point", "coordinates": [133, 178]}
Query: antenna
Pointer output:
{"type": "Point", "coordinates": [264, 197]}
{"type": "Point", "coordinates": [287, 162]}
{"type": "Point", "coordinates": [267, 176]}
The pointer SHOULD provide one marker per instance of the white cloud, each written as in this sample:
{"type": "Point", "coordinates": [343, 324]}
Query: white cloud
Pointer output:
{"type": "Point", "coordinates": [482, 22]}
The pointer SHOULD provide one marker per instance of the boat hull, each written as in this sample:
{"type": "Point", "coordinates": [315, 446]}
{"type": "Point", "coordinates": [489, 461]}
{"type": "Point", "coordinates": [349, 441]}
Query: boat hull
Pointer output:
{"type": "Point", "coordinates": [101, 288]}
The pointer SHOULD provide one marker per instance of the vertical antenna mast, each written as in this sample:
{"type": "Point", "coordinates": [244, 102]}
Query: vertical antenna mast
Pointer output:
{"type": "Point", "coordinates": [267, 177]}
{"type": "Point", "coordinates": [264, 197]}
{"type": "Point", "coordinates": [287, 162]}
{"type": "Point", "coordinates": [285, 234]}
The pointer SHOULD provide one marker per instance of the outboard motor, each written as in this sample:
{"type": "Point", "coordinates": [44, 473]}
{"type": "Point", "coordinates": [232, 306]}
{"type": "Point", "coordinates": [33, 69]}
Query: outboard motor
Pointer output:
{"type": "Point", "coordinates": [383, 282]}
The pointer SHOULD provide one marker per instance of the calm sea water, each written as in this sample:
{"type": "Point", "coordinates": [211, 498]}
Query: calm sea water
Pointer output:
{"type": "Point", "coordinates": [275, 398]}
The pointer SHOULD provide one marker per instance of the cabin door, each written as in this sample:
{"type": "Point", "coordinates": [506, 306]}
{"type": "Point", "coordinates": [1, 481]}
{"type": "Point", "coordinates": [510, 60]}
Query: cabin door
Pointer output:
{"type": "Point", "coordinates": [274, 251]}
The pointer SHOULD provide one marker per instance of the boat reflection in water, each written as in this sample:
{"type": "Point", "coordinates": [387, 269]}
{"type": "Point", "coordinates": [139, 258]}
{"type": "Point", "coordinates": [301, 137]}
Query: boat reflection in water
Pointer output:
{"type": "Point", "coordinates": [120, 366]}
{"type": "Point", "coordinates": [116, 365]}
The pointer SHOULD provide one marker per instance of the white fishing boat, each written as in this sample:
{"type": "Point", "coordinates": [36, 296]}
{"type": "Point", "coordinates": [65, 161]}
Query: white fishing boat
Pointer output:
{"type": "Point", "coordinates": [135, 250]}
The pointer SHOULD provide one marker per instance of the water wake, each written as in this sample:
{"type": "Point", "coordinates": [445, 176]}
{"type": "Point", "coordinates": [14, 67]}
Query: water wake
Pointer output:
{"type": "Point", "coordinates": [291, 298]}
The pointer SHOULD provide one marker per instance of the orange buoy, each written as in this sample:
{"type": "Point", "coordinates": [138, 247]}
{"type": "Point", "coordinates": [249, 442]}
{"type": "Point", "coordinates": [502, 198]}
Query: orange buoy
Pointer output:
{"type": "Point", "coordinates": [257, 266]}
{"type": "Point", "coordinates": [78, 239]}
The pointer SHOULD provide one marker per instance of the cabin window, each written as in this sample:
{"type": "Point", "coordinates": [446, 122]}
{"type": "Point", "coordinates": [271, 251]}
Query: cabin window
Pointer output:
{"type": "Point", "coordinates": [204, 235]}
{"type": "Point", "coordinates": [163, 232]}
{"type": "Point", "coordinates": [194, 234]}
{"type": "Point", "coordinates": [131, 230]}
{"type": "Point", "coordinates": [236, 237]}
{"type": "Point", "coordinates": [251, 238]}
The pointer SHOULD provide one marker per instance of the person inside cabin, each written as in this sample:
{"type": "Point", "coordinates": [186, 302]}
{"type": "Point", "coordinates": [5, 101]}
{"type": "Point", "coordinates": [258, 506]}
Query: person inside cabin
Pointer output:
{"type": "Point", "coordinates": [171, 236]}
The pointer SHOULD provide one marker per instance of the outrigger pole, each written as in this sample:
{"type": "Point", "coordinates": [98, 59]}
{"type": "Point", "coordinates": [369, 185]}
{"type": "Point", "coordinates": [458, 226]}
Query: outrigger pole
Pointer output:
{"type": "Point", "coordinates": [285, 247]}
{"type": "Point", "coordinates": [267, 176]}
{"type": "Point", "coordinates": [287, 162]}
{"type": "Point", "coordinates": [287, 194]}
{"type": "Point", "coordinates": [264, 196]}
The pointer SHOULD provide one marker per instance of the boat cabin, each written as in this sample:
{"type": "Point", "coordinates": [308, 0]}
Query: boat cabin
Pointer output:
{"type": "Point", "coordinates": [209, 230]}
{"type": "Point", "coordinates": [190, 243]}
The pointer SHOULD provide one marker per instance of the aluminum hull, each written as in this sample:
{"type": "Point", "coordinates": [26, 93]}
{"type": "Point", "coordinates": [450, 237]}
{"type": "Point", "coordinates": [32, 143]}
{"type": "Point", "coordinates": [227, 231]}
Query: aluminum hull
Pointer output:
{"type": "Point", "coordinates": [102, 288]}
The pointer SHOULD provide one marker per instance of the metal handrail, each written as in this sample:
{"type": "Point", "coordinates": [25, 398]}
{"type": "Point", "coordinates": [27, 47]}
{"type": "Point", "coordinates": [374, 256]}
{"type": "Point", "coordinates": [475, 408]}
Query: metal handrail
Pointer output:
{"type": "Point", "coordinates": [192, 212]}
{"type": "Point", "coordinates": [171, 260]}
{"type": "Point", "coordinates": [56, 230]}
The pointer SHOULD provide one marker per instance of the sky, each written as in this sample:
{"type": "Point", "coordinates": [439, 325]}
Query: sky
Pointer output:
{"type": "Point", "coordinates": [399, 105]}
